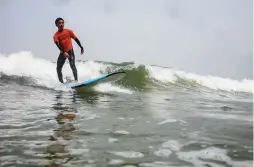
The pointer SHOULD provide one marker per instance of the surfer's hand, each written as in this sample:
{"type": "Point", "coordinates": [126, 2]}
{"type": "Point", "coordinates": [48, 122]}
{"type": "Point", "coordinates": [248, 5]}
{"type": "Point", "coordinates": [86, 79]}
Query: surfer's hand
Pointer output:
{"type": "Point", "coordinates": [82, 50]}
{"type": "Point", "coordinates": [66, 54]}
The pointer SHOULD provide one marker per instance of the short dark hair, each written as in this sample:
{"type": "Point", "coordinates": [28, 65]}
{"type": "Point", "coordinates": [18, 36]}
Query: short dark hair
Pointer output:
{"type": "Point", "coordinates": [58, 19]}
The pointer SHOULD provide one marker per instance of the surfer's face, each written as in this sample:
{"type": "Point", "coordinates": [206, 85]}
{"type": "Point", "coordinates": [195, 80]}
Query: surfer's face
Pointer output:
{"type": "Point", "coordinates": [60, 24]}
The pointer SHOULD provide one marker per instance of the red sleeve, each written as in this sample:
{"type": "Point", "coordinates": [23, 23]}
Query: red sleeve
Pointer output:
{"type": "Point", "coordinates": [72, 35]}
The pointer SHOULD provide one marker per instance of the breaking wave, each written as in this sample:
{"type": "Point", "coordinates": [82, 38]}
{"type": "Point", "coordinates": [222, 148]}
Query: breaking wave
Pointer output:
{"type": "Point", "coordinates": [24, 68]}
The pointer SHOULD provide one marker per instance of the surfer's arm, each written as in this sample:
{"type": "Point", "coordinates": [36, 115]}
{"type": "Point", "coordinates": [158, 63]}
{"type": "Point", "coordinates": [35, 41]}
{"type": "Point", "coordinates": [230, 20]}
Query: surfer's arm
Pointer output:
{"type": "Point", "coordinates": [59, 47]}
{"type": "Point", "coordinates": [78, 42]}
{"type": "Point", "coordinates": [73, 36]}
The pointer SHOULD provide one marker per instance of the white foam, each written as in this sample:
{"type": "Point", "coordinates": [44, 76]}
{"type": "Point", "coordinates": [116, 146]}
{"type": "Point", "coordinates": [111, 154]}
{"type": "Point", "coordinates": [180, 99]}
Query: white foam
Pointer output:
{"type": "Point", "coordinates": [167, 121]}
{"type": "Point", "coordinates": [24, 64]}
{"type": "Point", "coordinates": [163, 152]}
{"type": "Point", "coordinates": [208, 155]}
{"type": "Point", "coordinates": [214, 82]}
{"type": "Point", "coordinates": [112, 140]}
{"type": "Point", "coordinates": [122, 132]}
{"type": "Point", "coordinates": [116, 162]}
{"type": "Point", "coordinates": [44, 71]}
{"type": "Point", "coordinates": [106, 87]}
{"type": "Point", "coordinates": [227, 116]}
{"type": "Point", "coordinates": [172, 144]}
{"type": "Point", "coordinates": [129, 154]}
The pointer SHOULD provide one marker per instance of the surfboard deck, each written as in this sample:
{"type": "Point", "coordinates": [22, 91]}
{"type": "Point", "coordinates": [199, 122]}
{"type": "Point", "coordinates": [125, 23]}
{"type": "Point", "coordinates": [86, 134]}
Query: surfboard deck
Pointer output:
{"type": "Point", "coordinates": [104, 78]}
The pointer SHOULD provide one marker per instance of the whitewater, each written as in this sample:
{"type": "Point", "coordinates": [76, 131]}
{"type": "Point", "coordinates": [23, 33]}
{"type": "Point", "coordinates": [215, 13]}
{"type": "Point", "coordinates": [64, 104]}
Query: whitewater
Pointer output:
{"type": "Point", "coordinates": [153, 117]}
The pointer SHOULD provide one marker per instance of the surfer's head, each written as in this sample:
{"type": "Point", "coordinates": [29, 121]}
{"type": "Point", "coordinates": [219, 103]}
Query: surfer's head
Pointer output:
{"type": "Point", "coordinates": [59, 23]}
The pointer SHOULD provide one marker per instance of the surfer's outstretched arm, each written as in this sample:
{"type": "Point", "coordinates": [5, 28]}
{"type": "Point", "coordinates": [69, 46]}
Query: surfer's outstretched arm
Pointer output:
{"type": "Point", "coordinates": [79, 44]}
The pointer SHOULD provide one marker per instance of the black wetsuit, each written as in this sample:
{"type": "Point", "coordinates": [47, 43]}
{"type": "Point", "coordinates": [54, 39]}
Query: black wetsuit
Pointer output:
{"type": "Point", "coordinates": [60, 62]}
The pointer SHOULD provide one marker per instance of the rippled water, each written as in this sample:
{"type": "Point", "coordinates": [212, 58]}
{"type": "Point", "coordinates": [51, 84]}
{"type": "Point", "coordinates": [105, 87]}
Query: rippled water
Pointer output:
{"type": "Point", "coordinates": [45, 127]}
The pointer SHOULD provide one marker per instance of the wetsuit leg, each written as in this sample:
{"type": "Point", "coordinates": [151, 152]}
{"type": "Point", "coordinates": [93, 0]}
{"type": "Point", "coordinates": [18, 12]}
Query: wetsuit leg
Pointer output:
{"type": "Point", "coordinates": [60, 62]}
{"type": "Point", "coordinates": [72, 64]}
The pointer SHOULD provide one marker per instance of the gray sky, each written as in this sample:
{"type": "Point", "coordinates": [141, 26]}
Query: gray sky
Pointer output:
{"type": "Point", "coordinates": [203, 36]}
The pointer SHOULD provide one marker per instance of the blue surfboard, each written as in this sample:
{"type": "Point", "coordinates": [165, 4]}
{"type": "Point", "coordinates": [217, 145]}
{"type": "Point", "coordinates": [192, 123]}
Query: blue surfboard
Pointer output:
{"type": "Point", "coordinates": [104, 78]}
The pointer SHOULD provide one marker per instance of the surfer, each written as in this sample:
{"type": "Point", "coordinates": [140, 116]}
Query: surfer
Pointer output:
{"type": "Point", "coordinates": [62, 39]}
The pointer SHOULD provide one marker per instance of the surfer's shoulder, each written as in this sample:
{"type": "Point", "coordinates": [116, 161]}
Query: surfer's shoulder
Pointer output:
{"type": "Point", "coordinates": [68, 30]}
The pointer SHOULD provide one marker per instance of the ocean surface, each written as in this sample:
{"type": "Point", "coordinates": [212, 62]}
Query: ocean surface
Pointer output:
{"type": "Point", "coordinates": [152, 117]}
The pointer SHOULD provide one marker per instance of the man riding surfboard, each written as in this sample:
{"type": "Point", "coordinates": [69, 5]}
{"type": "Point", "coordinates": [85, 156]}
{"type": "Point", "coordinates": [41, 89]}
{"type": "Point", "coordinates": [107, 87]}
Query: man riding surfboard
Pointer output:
{"type": "Point", "coordinates": [62, 39]}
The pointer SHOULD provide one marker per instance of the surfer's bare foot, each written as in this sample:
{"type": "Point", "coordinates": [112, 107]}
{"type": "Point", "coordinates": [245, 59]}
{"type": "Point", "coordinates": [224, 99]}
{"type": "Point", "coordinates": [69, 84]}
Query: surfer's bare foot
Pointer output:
{"type": "Point", "coordinates": [76, 81]}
